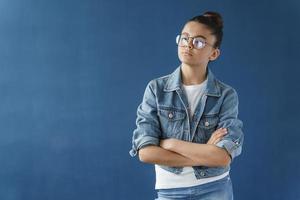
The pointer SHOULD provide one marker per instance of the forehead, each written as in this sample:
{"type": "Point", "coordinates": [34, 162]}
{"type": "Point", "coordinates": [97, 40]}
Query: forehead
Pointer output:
{"type": "Point", "coordinates": [197, 29]}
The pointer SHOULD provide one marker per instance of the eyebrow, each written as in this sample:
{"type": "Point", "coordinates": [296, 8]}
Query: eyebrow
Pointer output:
{"type": "Point", "coordinates": [195, 36]}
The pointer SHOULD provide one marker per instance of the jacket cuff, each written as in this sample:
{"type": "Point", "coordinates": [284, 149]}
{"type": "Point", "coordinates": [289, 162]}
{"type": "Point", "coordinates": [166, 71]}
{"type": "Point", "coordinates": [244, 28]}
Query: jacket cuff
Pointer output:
{"type": "Point", "coordinates": [144, 141]}
{"type": "Point", "coordinates": [233, 148]}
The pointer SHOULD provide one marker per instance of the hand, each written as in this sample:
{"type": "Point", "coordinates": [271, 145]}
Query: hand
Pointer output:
{"type": "Point", "coordinates": [217, 136]}
{"type": "Point", "coordinates": [167, 144]}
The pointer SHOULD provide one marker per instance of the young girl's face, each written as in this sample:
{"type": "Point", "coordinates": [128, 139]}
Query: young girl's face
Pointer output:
{"type": "Point", "coordinates": [191, 55]}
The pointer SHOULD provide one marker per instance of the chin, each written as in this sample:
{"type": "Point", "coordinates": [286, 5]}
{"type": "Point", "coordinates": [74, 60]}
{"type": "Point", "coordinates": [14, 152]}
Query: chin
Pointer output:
{"type": "Point", "coordinates": [189, 63]}
{"type": "Point", "coordinates": [187, 60]}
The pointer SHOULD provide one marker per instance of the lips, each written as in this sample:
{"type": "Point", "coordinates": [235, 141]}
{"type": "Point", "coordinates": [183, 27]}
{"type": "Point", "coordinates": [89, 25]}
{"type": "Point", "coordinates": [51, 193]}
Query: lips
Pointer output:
{"type": "Point", "coordinates": [186, 53]}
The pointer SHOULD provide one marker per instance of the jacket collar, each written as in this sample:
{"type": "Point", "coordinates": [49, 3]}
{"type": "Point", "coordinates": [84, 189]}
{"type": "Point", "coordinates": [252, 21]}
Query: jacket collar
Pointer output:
{"type": "Point", "coordinates": [174, 83]}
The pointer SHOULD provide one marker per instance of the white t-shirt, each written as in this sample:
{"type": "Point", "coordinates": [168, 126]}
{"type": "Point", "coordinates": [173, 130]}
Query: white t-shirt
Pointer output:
{"type": "Point", "coordinates": [166, 179]}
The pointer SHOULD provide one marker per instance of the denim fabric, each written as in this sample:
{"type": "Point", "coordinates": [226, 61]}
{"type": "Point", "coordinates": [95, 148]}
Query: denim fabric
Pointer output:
{"type": "Point", "coordinates": [163, 114]}
{"type": "Point", "coordinates": [216, 190]}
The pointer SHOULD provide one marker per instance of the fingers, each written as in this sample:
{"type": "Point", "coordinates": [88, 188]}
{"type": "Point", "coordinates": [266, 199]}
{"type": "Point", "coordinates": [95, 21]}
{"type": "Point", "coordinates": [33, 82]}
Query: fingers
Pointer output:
{"type": "Point", "coordinates": [217, 140]}
{"type": "Point", "coordinates": [217, 136]}
{"type": "Point", "coordinates": [220, 131]}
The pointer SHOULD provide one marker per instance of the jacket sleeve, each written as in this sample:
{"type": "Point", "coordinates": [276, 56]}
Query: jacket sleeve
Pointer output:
{"type": "Point", "coordinates": [234, 138]}
{"type": "Point", "coordinates": [148, 129]}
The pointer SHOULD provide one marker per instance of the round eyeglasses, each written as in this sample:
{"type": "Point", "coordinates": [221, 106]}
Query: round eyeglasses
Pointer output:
{"type": "Point", "coordinates": [198, 42]}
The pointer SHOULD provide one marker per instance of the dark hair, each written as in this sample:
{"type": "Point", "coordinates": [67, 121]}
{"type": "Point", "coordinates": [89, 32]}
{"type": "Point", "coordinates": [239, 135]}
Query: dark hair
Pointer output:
{"type": "Point", "coordinates": [214, 22]}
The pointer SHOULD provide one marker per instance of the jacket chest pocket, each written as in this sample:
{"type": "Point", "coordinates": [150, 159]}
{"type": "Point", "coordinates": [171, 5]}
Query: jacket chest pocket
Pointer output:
{"type": "Point", "coordinates": [207, 125]}
{"type": "Point", "coordinates": [172, 122]}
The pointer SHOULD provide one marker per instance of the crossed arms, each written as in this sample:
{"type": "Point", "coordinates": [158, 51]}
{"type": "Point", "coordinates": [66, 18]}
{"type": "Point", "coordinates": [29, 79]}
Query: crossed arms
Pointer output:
{"type": "Point", "coordinates": [178, 153]}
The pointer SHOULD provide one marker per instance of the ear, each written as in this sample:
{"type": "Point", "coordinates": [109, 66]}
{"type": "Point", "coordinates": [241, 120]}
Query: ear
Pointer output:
{"type": "Point", "coordinates": [215, 54]}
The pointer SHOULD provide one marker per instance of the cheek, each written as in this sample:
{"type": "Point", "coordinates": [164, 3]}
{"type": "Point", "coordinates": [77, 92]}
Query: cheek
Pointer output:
{"type": "Point", "coordinates": [179, 54]}
{"type": "Point", "coordinates": [203, 55]}
{"type": "Point", "coordinates": [184, 59]}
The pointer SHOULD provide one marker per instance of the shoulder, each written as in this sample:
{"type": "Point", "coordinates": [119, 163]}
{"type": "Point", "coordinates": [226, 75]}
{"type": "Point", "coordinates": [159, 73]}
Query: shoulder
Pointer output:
{"type": "Point", "coordinates": [159, 82]}
{"type": "Point", "coordinates": [225, 88]}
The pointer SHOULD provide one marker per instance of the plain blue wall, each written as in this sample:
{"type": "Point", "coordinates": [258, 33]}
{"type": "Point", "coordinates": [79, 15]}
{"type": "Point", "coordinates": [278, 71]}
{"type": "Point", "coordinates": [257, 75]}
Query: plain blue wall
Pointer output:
{"type": "Point", "coordinates": [72, 74]}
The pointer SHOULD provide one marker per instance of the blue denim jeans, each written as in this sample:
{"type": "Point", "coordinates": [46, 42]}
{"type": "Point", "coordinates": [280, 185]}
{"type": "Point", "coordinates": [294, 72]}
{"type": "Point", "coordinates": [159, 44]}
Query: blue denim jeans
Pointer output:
{"type": "Point", "coordinates": [217, 190]}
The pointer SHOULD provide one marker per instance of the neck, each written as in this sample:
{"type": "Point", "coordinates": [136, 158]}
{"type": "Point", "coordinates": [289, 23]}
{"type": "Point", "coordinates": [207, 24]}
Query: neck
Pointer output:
{"type": "Point", "coordinates": [192, 75]}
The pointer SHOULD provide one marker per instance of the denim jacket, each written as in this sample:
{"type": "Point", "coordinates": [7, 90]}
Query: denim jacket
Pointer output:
{"type": "Point", "coordinates": [163, 114]}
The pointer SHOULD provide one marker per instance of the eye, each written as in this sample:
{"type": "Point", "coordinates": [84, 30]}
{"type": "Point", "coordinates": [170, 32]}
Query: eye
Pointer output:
{"type": "Point", "coordinates": [198, 43]}
{"type": "Point", "coordinates": [184, 40]}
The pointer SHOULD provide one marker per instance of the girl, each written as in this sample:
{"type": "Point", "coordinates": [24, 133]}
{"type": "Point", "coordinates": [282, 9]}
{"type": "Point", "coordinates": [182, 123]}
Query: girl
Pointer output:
{"type": "Point", "coordinates": [187, 123]}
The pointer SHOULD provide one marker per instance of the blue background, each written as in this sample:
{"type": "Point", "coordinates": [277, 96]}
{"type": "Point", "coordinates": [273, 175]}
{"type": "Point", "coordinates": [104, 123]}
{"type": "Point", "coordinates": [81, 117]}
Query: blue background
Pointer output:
{"type": "Point", "coordinates": [72, 74]}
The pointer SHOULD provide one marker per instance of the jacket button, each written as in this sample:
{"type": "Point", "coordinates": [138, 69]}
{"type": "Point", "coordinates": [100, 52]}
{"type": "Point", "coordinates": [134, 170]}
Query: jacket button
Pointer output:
{"type": "Point", "coordinates": [170, 115]}
{"type": "Point", "coordinates": [206, 123]}
{"type": "Point", "coordinates": [202, 173]}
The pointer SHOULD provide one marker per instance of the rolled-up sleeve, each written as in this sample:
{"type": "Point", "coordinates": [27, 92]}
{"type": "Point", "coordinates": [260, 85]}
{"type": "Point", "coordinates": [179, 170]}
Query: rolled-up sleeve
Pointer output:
{"type": "Point", "coordinates": [234, 138]}
{"type": "Point", "coordinates": [147, 130]}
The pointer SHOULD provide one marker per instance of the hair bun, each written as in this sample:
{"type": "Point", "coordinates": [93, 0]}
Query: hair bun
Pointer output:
{"type": "Point", "coordinates": [215, 17]}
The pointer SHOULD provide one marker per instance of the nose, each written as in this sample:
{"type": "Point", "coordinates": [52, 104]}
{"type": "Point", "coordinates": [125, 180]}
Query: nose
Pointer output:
{"type": "Point", "coordinates": [190, 43]}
